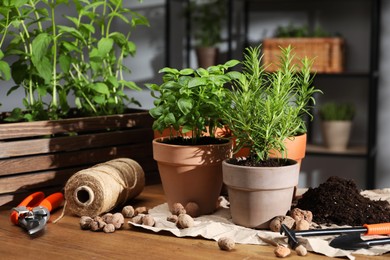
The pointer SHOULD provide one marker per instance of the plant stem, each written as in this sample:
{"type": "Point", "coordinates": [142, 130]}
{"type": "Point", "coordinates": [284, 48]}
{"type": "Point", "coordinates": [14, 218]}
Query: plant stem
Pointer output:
{"type": "Point", "coordinates": [28, 49]}
{"type": "Point", "coordinates": [53, 23]}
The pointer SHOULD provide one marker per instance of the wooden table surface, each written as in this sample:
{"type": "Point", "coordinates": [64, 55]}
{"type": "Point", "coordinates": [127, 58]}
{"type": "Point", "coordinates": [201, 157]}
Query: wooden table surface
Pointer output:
{"type": "Point", "coordinates": [65, 240]}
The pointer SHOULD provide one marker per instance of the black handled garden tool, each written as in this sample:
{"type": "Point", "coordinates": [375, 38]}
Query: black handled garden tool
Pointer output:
{"type": "Point", "coordinates": [372, 229]}
{"type": "Point", "coordinates": [354, 241]}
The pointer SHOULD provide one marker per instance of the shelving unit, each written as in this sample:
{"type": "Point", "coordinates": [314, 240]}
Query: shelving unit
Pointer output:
{"type": "Point", "coordinates": [358, 21]}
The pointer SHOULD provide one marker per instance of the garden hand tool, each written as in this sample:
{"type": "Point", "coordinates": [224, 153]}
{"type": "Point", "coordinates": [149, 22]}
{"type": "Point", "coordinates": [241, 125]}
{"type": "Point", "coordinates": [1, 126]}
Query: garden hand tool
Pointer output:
{"type": "Point", "coordinates": [34, 211]}
{"type": "Point", "coordinates": [354, 241]}
{"type": "Point", "coordinates": [371, 229]}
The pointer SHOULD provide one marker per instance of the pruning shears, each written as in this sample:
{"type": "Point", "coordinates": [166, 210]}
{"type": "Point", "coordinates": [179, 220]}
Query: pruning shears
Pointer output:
{"type": "Point", "coordinates": [34, 211]}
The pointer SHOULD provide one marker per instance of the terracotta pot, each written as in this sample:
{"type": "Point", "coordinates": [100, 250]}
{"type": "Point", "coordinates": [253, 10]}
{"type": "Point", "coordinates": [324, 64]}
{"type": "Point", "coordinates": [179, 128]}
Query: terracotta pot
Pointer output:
{"type": "Point", "coordinates": [296, 148]}
{"type": "Point", "coordinates": [257, 194]}
{"type": "Point", "coordinates": [336, 134]}
{"type": "Point", "coordinates": [207, 56]}
{"type": "Point", "coordinates": [191, 173]}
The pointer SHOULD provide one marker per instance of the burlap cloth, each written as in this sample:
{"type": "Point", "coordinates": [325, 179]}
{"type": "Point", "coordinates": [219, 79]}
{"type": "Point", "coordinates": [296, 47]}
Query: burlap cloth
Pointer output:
{"type": "Point", "coordinates": [220, 225]}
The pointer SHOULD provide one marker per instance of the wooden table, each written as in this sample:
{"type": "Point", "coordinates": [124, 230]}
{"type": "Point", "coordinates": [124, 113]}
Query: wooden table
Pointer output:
{"type": "Point", "coordinates": [65, 240]}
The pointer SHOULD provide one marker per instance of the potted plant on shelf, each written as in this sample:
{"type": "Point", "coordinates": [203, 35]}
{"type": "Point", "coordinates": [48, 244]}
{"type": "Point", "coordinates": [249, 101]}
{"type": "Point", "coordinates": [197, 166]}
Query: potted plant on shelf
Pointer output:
{"type": "Point", "coordinates": [336, 124]}
{"type": "Point", "coordinates": [189, 102]}
{"type": "Point", "coordinates": [207, 18]}
{"type": "Point", "coordinates": [69, 60]}
{"type": "Point", "coordinates": [265, 111]}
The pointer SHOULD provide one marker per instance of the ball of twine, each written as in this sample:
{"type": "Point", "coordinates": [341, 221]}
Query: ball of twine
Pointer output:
{"type": "Point", "coordinates": [101, 188]}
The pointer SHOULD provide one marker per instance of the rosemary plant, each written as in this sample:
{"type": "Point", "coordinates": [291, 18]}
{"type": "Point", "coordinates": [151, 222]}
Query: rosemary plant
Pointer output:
{"type": "Point", "coordinates": [266, 108]}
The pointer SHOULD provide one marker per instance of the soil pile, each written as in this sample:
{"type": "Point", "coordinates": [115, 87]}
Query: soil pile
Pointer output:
{"type": "Point", "coordinates": [338, 201]}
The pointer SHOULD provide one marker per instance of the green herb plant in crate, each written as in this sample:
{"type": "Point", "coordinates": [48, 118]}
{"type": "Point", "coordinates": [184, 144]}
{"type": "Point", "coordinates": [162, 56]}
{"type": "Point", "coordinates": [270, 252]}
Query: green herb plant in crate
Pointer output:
{"type": "Point", "coordinates": [65, 62]}
{"type": "Point", "coordinates": [64, 59]}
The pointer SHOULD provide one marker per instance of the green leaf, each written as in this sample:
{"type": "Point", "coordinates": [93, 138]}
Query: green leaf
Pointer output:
{"type": "Point", "coordinates": [105, 45]}
{"type": "Point", "coordinates": [234, 75]}
{"type": "Point", "coordinates": [186, 72]}
{"type": "Point", "coordinates": [156, 112]}
{"type": "Point", "coordinates": [120, 16]}
{"type": "Point", "coordinates": [232, 63]}
{"type": "Point", "coordinates": [168, 70]}
{"type": "Point", "coordinates": [99, 99]}
{"type": "Point", "coordinates": [40, 48]}
{"type": "Point", "coordinates": [153, 86]}
{"type": "Point", "coordinates": [130, 85]}
{"type": "Point", "coordinates": [12, 89]}
{"type": "Point", "coordinates": [113, 81]}
{"type": "Point", "coordinates": [119, 38]}
{"type": "Point", "coordinates": [89, 27]}
{"type": "Point", "coordinates": [185, 105]}
{"type": "Point", "coordinates": [169, 119]}
{"type": "Point", "coordinates": [5, 70]}
{"type": "Point", "coordinates": [131, 47]}
{"type": "Point", "coordinates": [72, 19]}
{"type": "Point", "coordinates": [71, 47]}
{"type": "Point", "coordinates": [202, 72]}
{"type": "Point", "coordinates": [186, 129]}
{"type": "Point", "coordinates": [72, 31]}
{"type": "Point", "coordinates": [101, 87]}
{"type": "Point", "coordinates": [78, 103]}
{"type": "Point", "coordinates": [44, 68]}
{"type": "Point", "coordinates": [16, 115]}
{"type": "Point", "coordinates": [64, 61]}
{"type": "Point", "coordinates": [42, 91]}
{"type": "Point", "coordinates": [195, 82]}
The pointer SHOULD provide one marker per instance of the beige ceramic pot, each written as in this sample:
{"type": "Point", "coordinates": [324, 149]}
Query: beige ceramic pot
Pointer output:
{"type": "Point", "coordinates": [257, 194]}
{"type": "Point", "coordinates": [191, 173]}
{"type": "Point", "coordinates": [336, 134]}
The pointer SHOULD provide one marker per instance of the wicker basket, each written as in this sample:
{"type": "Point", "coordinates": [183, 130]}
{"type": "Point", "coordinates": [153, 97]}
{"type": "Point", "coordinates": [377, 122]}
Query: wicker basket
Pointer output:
{"type": "Point", "coordinates": [328, 53]}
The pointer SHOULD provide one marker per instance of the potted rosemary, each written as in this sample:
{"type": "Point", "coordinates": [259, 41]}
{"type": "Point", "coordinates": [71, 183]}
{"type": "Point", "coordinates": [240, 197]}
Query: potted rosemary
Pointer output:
{"type": "Point", "coordinates": [265, 111]}
{"type": "Point", "coordinates": [69, 60]}
{"type": "Point", "coordinates": [188, 103]}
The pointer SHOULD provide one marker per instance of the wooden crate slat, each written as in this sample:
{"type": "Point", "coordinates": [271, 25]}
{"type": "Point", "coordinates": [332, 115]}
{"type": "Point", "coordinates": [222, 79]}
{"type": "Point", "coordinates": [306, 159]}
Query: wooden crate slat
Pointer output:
{"type": "Point", "coordinates": [31, 181]}
{"type": "Point", "coordinates": [13, 189]}
{"type": "Point", "coordinates": [41, 128]}
{"type": "Point", "coordinates": [37, 180]}
{"type": "Point", "coordinates": [62, 160]}
{"type": "Point", "coordinates": [25, 182]}
{"type": "Point", "coordinates": [71, 143]}
{"type": "Point", "coordinates": [8, 201]}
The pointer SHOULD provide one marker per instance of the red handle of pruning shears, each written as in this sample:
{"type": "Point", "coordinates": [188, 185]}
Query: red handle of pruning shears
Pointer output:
{"type": "Point", "coordinates": [53, 201]}
{"type": "Point", "coordinates": [38, 199]}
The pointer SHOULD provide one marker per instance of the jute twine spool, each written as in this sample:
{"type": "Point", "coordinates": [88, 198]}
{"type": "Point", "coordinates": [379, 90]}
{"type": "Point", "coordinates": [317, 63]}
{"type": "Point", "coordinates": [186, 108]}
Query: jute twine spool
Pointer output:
{"type": "Point", "coordinates": [101, 188]}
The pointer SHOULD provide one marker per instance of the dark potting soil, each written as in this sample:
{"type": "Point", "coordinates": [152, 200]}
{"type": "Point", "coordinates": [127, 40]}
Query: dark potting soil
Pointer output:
{"type": "Point", "coordinates": [204, 140]}
{"type": "Point", "coordinates": [338, 201]}
{"type": "Point", "coordinates": [251, 162]}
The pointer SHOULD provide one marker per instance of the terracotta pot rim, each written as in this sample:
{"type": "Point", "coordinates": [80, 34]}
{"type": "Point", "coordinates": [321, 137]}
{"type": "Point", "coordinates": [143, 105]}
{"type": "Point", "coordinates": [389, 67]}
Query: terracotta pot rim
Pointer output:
{"type": "Point", "coordinates": [158, 140]}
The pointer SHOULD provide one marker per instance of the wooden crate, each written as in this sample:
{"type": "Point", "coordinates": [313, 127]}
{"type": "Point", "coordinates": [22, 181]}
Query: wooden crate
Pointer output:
{"type": "Point", "coordinates": [328, 53]}
{"type": "Point", "coordinates": [42, 155]}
